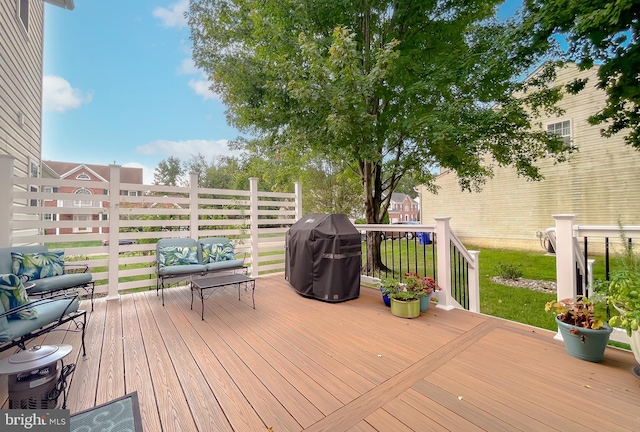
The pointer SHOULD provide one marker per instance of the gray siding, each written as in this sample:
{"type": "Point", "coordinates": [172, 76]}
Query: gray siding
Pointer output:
{"type": "Point", "coordinates": [600, 184]}
{"type": "Point", "coordinates": [21, 68]}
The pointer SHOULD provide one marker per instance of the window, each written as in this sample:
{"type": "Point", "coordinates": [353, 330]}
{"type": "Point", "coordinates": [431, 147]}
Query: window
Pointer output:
{"type": "Point", "coordinates": [563, 129]}
{"type": "Point", "coordinates": [82, 203]}
{"type": "Point", "coordinates": [49, 217]}
{"type": "Point", "coordinates": [83, 176]}
{"type": "Point", "coordinates": [23, 13]}
{"type": "Point", "coordinates": [81, 218]}
{"type": "Point", "coordinates": [131, 193]}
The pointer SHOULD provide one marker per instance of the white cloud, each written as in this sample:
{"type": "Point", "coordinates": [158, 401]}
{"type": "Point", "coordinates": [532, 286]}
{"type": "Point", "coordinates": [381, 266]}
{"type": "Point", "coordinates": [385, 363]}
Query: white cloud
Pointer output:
{"type": "Point", "coordinates": [201, 88]}
{"type": "Point", "coordinates": [147, 173]}
{"type": "Point", "coordinates": [174, 15]}
{"type": "Point", "coordinates": [185, 149]}
{"type": "Point", "coordinates": [59, 96]}
{"type": "Point", "coordinates": [187, 67]}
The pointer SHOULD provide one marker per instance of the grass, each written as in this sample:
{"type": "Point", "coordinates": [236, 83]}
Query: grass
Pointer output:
{"type": "Point", "coordinates": [516, 304]}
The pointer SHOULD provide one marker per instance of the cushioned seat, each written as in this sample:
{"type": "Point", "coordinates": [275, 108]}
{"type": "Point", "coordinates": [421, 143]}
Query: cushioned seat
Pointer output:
{"type": "Point", "coordinates": [60, 282]}
{"type": "Point", "coordinates": [181, 269]}
{"type": "Point", "coordinates": [48, 312]}
{"type": "Point", "coordinates": [221, 265]}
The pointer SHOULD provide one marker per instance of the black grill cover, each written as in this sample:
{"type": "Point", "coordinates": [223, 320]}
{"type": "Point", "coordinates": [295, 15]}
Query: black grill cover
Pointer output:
{"type": "Point", "coordinates": [323, 257]}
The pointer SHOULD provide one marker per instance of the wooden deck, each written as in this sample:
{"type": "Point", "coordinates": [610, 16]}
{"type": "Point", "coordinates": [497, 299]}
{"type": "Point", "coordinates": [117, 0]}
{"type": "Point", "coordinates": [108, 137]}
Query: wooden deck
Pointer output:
{"type": "Point", "coordinates": [297, 364]}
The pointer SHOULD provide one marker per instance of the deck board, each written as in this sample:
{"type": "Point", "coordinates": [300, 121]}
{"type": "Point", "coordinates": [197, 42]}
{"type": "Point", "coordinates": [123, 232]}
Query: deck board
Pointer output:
{"type": "Point", "coordinates": [296, 364]}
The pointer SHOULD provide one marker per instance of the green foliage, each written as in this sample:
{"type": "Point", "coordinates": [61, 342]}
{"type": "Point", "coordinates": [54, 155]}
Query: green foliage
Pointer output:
{"type": "Point", "coordinates": [579, 311]}
{"type": "Point", "coordinates": [508, 271]}
{"type": "Point", "coordinates": [168, 172]}
{"type": "Point", "coordinates": [623, 290]}
{"type": "Point", "coordinates": [378, 87]}
{"type": "Point", "coordinates": [602, 33]}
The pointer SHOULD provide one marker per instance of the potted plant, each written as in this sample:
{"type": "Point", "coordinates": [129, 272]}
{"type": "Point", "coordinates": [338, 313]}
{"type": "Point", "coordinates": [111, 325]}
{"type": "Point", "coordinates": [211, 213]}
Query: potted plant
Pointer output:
{"type": "Point", "coordinates": [387, 286]}
{"type": "Point", "coordinates": [582, 324]}
{"type": "Point", "coordinates": [425, 286]}
{"type": "Point", "coordinates": [623, 294]}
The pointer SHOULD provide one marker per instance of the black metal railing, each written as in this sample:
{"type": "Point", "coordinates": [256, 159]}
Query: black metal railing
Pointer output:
{"type": "Point", "coordinates": [459, 277]}
{"type": "Point", "coordinates": [400, 253]}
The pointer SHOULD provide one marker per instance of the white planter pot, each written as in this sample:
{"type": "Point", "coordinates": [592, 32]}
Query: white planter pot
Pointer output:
{"type": "Point", "coordinates": [635, 344]}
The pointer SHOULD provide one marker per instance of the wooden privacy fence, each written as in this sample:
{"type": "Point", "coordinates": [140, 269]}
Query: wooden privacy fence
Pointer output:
{"type": "Point", "coordinates": [113, 226]}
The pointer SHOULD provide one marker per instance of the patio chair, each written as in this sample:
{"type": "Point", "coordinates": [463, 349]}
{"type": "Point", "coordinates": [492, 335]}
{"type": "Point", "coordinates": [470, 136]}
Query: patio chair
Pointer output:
{"type": "Point", "coordinates": [22, 319]}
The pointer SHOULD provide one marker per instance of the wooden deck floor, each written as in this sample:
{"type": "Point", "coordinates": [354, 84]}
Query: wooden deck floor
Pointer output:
{"type": "Point", "coordinates": [297, 364]}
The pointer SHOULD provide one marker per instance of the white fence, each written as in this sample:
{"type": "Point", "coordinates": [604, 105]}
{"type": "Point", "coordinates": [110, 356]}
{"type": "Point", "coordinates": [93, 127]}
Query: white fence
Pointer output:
{"type": "Point", "coordinates": [115, 234]}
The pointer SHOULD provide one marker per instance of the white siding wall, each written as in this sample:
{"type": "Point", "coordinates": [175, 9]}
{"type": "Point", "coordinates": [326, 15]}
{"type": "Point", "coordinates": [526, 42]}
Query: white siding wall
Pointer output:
{"type": "Point", "coordinates": [600, 184]}
{"type": "Point", "coordinates": [21, 55]}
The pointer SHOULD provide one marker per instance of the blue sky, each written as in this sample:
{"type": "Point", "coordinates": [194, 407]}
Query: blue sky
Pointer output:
{"type": "Point", "coordinates": [120, 86]}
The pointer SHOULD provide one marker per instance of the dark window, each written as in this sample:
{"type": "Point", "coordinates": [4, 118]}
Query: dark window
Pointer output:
{"type": "Point", "coordinates": [23, 12]}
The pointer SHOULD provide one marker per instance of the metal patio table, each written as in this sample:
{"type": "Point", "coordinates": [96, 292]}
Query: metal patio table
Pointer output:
{"type": "Point", "coordinates": [220, 282]}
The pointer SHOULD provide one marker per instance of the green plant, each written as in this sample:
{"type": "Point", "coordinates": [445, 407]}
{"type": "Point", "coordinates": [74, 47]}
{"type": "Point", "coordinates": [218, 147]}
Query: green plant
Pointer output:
{"type": "Point", "coordinates": [508, 271]}
{"type": "Point", "coordinates": [623, 290]}
{"type": "Point", "coordinates": [579, 311]}
{"type": "Point", "coordinates": [422, 285]}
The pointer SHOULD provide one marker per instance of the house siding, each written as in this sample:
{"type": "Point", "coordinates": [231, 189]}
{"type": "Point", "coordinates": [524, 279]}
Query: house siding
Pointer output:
{"type": "Point", "coordinates": [600, 184]}
{"type": "Point", "coordinates": [21, 66]}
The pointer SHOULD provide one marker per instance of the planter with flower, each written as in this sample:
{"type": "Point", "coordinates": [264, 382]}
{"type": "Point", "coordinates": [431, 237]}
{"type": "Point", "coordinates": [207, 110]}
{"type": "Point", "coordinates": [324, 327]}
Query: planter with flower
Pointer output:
{"type": "Point", "coordinates": [426, 285]}
{"type": "Point", "coordinates": [582, 324]}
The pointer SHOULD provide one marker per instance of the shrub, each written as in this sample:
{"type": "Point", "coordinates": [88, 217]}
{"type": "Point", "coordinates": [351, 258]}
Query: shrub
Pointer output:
{"type": "Point", "coordinates": [508, 271]}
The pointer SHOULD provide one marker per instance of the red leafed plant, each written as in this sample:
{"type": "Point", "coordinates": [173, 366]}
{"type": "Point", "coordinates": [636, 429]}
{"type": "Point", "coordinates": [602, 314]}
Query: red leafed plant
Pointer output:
{"type": "Point", "coordinates": [579, 311]}
{"type": "Point", "coordinates": [423, 285]}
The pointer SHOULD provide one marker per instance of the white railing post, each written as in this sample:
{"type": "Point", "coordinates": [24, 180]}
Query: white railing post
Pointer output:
{"type": "Point", "coordinates": [474, 283]}
{"type": "Point", "coordinates": [443, 245]}
{"type": "Point", "coordinates": [589, 288]}
{"type": "Point", "coordinates": [565, 256]}
{"type": "Point", "coordinates": [6, 200]}
{"type": "Point", "coordinates": [253, 221]}
{"type": "Point", "coordinates": [193, 206]}
{"type": "Point", "coordinates": [114, 231]}
{"type": "Point", "coordinates": [565, 259]}
{"type": "Point", "coordinates": [298, 192]}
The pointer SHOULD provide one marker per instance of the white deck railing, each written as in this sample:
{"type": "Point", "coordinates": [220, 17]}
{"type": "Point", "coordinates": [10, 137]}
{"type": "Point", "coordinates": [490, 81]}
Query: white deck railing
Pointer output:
{"type": "Point", "coordinates": [569, 254]}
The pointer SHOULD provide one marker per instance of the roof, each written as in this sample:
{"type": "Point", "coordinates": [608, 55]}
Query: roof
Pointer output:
{"type": "Point", "coordinates": [64, 4]}
{"type": "Point", "coordinates": [399, 197]}
{"type": "Point", "coordinates": [64, 169]}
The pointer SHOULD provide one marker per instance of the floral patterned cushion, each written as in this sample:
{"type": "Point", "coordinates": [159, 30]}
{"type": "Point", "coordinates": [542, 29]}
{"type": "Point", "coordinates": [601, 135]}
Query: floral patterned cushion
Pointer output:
{"type": "Point", "coordinates": [38, 265]}
{"type": "Point", "coordinates": [13, 294]}
{"type": "Point", "coordinates": [217, 252]}
{"type": "Point", "coordinates": [177, 255]}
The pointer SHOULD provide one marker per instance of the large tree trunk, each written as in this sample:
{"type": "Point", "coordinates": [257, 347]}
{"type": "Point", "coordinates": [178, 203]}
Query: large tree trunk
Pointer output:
{"type": "Point", "coordinates": [374, 214]}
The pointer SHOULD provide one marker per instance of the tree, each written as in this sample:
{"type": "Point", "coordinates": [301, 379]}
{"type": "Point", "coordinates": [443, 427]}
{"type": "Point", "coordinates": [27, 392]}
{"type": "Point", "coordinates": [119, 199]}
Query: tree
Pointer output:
{"type": "Point", "coordinates": [198, 165]}
{"type": "Point", "coordinates": [603, 33]}
{"type": "Point", "coordinates": [169, 172]}
{"type": "Point", "coordinates": [385, 87]}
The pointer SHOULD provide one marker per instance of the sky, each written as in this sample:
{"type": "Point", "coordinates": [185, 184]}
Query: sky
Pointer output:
{"type": "Point", "coordinates": [120, 86]}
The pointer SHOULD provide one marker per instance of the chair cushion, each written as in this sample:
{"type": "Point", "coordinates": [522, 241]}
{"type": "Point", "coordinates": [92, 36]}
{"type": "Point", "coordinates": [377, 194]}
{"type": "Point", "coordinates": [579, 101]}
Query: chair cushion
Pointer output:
{"type": "Point", "coordinates": [177, 255]}
{"type": "Point", "coordinates": [181, 269]}
{"type": "Point", "coordinates": [5, 255]}
{"type": "Point", "coordinates": [47, 311]}
{"type": "Point", "coordinates": [4, 326]}
{"type": "Point", "coordinates": [12, 295]}
{"type": "Point", "coordinates": [222, 265]}
{"type": "Point", "coordinates": [56, 283]}
{"type": "Point", "coordinates": [215, 252]}
{"type": "Point", "coordinates": [38, 265]}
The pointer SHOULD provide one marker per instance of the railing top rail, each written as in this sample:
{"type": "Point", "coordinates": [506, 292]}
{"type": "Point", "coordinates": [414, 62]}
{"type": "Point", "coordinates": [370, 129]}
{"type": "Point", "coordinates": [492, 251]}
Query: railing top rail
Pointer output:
{"type": "Point", "coordinates": [630, 231]}
{"type": "Point", "coordinates": [396, 227]}
{"type": "Point", "coordinates": [463, 250]}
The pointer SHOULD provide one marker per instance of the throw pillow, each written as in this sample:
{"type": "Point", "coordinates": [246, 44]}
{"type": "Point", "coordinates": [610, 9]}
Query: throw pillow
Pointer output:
{"type": "Point", "coordinates": [217, 252]}
{"type": "Point", "coordinates": [177, 255]}
{"type": "Point", "coordinates": [38, 265]}
{"type": "Point", "coordinates": [13, 294]}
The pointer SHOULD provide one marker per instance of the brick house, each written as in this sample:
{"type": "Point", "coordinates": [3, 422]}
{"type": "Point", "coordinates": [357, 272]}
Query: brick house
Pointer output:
{"type": "Point", "coordinates": [88, 173]}
{"type": "Point", "coordinates": [403, 208]}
